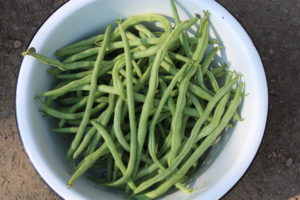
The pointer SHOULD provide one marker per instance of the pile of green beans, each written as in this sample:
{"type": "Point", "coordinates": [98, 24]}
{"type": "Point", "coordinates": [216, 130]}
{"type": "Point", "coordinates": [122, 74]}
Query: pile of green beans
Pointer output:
{"type": "Point", "coordinates": [141, 107]}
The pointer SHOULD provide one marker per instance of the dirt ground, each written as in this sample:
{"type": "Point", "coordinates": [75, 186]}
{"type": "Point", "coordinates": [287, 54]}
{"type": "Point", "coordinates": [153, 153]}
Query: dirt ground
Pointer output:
{"type": "Point", "coordinates": [274, 26]}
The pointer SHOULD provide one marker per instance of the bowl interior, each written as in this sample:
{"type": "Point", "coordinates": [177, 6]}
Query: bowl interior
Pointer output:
{"type": "Point", "coordinates": [226, 161]}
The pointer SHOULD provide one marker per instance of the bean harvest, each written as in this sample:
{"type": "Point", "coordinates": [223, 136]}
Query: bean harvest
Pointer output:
{"type": "Point", "coordinates": [141, 105]}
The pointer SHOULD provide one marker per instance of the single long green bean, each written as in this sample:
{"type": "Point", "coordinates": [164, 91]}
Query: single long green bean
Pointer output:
{"type": "Point", "coordinates": [62, 115]}
{"type": "Point", "coordinates": [44, 59]}
{"type": "Point", "coordinates": [131, 109]}
{"type": "Point", "coordinates": [70, 51]}
{"type": "Point", "coordinates": [178, 115]}
{"type": "Point", "coordinates": [91, 97]}
{"type": "Point", "coordinates": [117, 125]}
{"type": "Point", "coordinates": [117, 82]}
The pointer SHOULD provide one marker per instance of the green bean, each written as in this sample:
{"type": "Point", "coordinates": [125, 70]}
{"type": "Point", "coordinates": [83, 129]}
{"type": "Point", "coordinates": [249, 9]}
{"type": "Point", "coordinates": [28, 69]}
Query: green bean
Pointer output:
{"type": "Point", "coordinates": [185, 119]}
{"type": "Point", "coordinates": [179, 57]}
{"type": "Point", "coordinates": [144, 30]}
{"type": "Point", "coordinates": [216, 119]}
{"type": "Point", "coordinates": [86, 141]}
{"type": "Point", "coordinates": [61, 115]}
{"type": "Point", "coordinates": [44, 59]}
{"type": "Point", "coordinates": [200, 29]}
{"type": "Point", "coordinates": [68, 87]}
{"type": "Point", "coordinates": [162, 131]}
{"type": "Point", "coordinates": [182, 37]}
{"type": "Point", "coordinates": [85, 42]}
{"type": "Point", "coordinates": [70, 100]}
{"type": "Point", "coordinates": [73, 76]}
{"type": "Point", "coordinates": [85, 65]}
{"type": "Point", "coordinates": [115, 172]}
{"type": "Point", "coordinates": [196, 103]}
{"type": "Point", "coordinates": [100, 88]}
{"type": "Point", "coordinates": [76, 106]}
{"type": "Point", "coordinates": [91, 133]}
{"type": "Point", "coordinates": [213, 81]}
{"type": "Point", "coordinates": [65, 130]}
{"type": "Point", "coordinates": [199, 53]}
{"type": "Point", "coordinates": [178, 115]}
{"type": "Point", "coordinates": [217, 70]}
{"type": "Point", "coordinates": [133, 37]}
{"type": "Point", "coordinates": [54, 71]}
{"type": "Point", "coordinates": [87, 163]}
{"type": "Point", "coordinates": [123, 73]}
{"type": "Point", "coordinates": [137, 69]}
{"type": "Point", "coordinates": [171, 103]}
{"type": "Point", "coordinates": [91, 97]}
{"type": "Point", "coordinates": [237, 117]}
{"type": "Point", "coordinates": [142, 128]}
{"type": "Point", "coordinates": [104, 119]}
{"type": "Point", "coordinates": [198, 91]}
{"type": "Point", "coordinates": [116, 80]}
{"type": "Point", "coordinates": [141, 82]}
{"type": "Point", "coordinates": [142, 35]}
{"type": "Point", "coordinates": [111, 146]}
{"type": "Point", "coordinates": [206, 62]}
{"type": "Point", "coordinates": [117, 125]}
{"type": "Point", "coordinates": [70, 51]}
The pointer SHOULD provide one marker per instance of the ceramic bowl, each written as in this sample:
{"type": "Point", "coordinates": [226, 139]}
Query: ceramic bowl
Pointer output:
{"type": "Point", "coordinates": [224, 164]}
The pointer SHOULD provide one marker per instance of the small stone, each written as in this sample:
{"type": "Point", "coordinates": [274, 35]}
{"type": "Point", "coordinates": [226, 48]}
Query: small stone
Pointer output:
{"type": "Point", "coordinates": [17, 44]}
{"type": "Point", "coordinates": [269, 156]}
{"type": "Point", "coordinates": [274, 154]}
{"type": "Point", "coordinates": [271, 51]}
{"type": "Point", "coordinates": [2, 180]}
{"type": "Point", "coordinates": [279, 155]}
{"type": "Point", "coordinates": [294, 198]}
{"type": "Point", "coordinates": [273, 80]}
{"type": "Point", "coordinates": [15, 27]}
{"type": "Point", "coordinates": [289, 162]}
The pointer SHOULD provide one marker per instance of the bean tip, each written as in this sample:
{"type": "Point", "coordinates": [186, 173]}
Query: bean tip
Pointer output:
{"type": "Point", "coordinates": [69, 185]}
{"type": "Point", "coordinates": [29, 51]}
{"type": "Point", "coordinates": [206, 13]}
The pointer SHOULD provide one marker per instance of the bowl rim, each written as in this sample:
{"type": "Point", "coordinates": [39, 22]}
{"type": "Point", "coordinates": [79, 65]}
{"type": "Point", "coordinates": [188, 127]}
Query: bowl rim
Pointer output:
{"type": "Point", "coordinates": [249, 42]}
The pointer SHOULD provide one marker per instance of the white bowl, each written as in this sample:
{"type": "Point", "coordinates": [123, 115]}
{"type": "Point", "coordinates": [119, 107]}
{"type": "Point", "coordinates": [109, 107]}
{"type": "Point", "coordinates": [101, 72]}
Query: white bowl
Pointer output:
{"type": "Point", "coordinates": [226, 162]}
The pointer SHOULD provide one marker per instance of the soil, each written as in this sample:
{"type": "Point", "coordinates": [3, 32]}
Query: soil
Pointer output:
{"type": "Point", "coordinates": [274, 26]}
